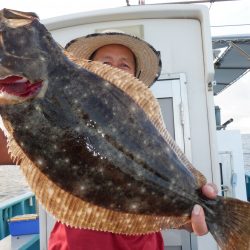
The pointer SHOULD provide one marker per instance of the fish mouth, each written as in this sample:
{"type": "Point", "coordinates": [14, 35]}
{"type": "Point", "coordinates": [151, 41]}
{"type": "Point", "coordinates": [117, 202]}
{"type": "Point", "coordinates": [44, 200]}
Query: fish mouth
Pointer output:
{"type": "Point", "coordinates": [19, 87]}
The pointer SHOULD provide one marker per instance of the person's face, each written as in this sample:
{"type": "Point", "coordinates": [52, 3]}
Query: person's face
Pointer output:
{"type": "Point", "coordinates": [117, 56]}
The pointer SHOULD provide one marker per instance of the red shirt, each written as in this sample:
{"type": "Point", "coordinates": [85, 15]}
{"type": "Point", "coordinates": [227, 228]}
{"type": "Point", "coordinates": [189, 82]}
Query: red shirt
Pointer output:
{"type": "Point", "coordinates": [67, 238]}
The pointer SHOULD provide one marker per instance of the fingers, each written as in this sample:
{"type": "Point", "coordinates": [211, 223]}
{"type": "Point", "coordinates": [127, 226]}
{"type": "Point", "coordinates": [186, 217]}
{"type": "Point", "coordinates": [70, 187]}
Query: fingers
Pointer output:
{"type": "Point", "coordinates": [210, 190]}
{"type": "Point", "coordinates": [198, 217]}
{"type": "Point", "coordinates": [198, 221]}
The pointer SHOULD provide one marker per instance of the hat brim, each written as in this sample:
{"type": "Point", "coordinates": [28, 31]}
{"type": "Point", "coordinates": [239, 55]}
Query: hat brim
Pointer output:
{"type": "Point", "coordinates": [148, 62]}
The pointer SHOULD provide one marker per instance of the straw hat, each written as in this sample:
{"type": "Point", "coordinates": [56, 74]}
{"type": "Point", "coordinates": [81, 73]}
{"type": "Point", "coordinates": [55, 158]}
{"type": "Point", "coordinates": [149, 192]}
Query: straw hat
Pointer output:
{"type": "Point", "coordinates": [148, 62]}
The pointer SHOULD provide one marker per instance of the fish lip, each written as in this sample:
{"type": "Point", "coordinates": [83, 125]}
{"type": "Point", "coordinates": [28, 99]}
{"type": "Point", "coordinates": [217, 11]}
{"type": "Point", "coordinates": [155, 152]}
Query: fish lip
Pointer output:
{"type": "Point", "coordinates": [17, 86]}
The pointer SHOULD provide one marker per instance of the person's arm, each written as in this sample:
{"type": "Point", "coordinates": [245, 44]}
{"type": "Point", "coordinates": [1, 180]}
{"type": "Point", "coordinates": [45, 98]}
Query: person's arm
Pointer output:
{"type": "Point", "coordinates": [4, 155]}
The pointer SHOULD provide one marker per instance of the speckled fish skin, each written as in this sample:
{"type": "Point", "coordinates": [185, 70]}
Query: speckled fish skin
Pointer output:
{"type": "Point", "coordinates": [81, 113]}
{"type": "Point", "coordinates": [92, 139]}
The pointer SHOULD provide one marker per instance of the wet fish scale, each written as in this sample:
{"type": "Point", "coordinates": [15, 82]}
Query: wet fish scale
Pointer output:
{"type": "Point", "coordinates": [93, 146]}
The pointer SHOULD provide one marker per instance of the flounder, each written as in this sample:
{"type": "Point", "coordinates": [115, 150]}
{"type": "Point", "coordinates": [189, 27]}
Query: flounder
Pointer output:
{"type": "Point", "coordinates": [92, 144]}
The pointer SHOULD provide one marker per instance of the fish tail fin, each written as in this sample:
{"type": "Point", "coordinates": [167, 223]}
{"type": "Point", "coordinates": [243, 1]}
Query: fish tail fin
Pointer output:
{"type": "Point", "coordinates": [229, 223]}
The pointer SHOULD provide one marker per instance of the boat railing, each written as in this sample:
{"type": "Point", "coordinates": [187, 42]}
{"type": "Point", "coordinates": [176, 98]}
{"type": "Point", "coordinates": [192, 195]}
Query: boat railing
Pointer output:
{"type": "Point", "coordinates": [19, 205]}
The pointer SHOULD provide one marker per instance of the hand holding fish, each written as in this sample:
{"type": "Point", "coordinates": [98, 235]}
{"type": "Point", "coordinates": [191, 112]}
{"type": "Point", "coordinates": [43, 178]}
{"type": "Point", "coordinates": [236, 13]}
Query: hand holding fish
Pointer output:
{"type": "Point", "coordinates": [91, 142]}
{"type": "Point", "coordinates": [198, 222]}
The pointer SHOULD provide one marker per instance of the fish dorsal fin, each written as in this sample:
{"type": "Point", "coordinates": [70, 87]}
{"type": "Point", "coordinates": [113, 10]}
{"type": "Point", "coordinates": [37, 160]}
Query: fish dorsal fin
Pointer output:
{"type": "Point", "coordinates": [143, 96]}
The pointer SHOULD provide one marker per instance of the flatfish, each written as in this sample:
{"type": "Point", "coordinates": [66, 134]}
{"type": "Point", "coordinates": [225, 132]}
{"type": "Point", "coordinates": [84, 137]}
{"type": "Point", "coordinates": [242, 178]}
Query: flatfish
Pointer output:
{"type": "Point", "coordinates": [91, 143]}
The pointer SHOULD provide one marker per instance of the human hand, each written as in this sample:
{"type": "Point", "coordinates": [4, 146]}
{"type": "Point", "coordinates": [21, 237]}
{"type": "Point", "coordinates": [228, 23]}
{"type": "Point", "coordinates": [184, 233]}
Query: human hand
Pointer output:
{"type": "Point", "coordinates": [198, 222]}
